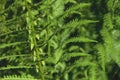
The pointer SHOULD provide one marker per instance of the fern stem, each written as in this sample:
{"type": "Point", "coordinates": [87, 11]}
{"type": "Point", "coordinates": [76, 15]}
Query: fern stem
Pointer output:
{"type": "Point", "coordinates": [33, 43]}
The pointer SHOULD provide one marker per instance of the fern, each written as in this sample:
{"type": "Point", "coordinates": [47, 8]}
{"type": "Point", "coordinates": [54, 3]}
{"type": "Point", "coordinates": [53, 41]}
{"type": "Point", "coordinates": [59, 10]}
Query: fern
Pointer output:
{"type": "Point", "coordinates": [11, 56]}
{"type": "Point", "coordinates": [78, 39]}
{"type": "Point", "coordinates": [108, 21]}
{"type": "Point", "coordinates": [16, 77]}
{"type": "Point", "coordinates": [72, 48]}
{"type": "Point", "coordinates": [73, 8]}
{"type": "Point", "coordinates": [68, 56]}
{"type": "Point", "coordinates": [59, 39]}
{"type": "Point", "coordinates": [11, 44]}
{"type": "Point", "coordinates": [102, 56]}
{"type": "Point", "coordinates": [13, 67]}
{"type": "Point", "coordinates": [77, 23]}
{"type": "Point", "coordinates": [93, 72]}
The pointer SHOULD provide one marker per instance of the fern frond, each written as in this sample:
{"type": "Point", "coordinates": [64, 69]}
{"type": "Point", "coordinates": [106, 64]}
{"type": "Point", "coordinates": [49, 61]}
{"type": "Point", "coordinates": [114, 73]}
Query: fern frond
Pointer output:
{"type": "Point", "coordinates": [68, 56]}
{"type": "Point", "coordinates": [11, 56]}
{"type": "Point", "coordinates": [14, 67]}
{"type": "Point", "coordinates": [78, 39]}
{"type": "Point", "coordinates": [108, 23]}
{"type": "Point", "coordinates": [93, 72]}
{"type": "Point", "coordinates": [76, 64]}
{"type": "Point", "coordinates": [77, 23]}
{"type": "Point", "coordinates": [10, 44]}
{"type": "Point", "coordinates": [17, 77]}
{"type": "Point", "coordinates": [10, 32]}
{"type": "Point", "coordinates": [72, 48]}
{"type": "Point", "coordinates": [102, 55]}
{"type": "Point", "coordinates": [73, 8]}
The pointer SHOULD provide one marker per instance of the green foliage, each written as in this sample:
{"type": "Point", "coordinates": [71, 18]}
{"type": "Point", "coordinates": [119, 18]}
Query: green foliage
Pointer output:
{"type": "Point", "coordinates": [59, 40]}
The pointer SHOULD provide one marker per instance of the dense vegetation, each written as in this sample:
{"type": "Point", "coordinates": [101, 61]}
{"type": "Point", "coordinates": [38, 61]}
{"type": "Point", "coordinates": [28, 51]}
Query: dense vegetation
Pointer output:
{"type": "Point", "coordinates": [59, 40]}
